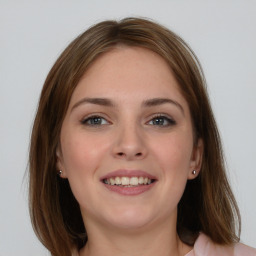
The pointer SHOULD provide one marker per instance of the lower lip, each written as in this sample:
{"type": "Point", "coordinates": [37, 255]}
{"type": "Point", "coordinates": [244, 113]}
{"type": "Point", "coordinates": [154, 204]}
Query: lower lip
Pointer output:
{"type": "Point", "coordinates": [129, 191]}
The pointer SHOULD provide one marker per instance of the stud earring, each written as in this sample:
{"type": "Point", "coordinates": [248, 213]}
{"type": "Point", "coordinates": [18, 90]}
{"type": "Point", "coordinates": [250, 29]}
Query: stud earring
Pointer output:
{"type": "Point", "coordinates": [194, 172]}
{"type": "Point", "coordinates": [59, 172]}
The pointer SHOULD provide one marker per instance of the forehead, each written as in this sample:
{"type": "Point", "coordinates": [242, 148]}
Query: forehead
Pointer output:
{"type": "Point", "coordinates": [125, 71]}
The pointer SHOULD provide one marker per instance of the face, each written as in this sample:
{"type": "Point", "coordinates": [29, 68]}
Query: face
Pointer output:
{"type": "Point", "coordinates": [126, 143]}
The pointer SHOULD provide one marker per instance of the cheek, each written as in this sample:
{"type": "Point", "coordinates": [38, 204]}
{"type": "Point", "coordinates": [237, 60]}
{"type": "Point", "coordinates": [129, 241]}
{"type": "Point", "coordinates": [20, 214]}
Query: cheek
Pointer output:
{"type": "Point", "coordinates": [81, 154]}
{"type": "Point", "coordinates": [174, 158]}
{"type": "Point", "coordinates": [82, 157]}
{"type": "Point", "coordinates": [174, 153]}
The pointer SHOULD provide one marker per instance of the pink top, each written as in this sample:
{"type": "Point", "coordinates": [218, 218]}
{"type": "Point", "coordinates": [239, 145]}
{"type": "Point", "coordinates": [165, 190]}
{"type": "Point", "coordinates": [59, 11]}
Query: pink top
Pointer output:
{"type": "Point", "coordinates": [205, 247]}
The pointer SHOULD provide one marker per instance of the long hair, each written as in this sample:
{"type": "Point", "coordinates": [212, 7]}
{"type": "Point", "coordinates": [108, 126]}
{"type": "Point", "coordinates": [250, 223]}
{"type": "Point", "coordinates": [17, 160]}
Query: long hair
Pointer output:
{"type": "Point", "coordinates": [207, 204]}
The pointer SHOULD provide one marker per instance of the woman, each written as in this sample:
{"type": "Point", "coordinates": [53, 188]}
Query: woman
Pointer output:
{"type": "Point", "coordinates": [125, 155]}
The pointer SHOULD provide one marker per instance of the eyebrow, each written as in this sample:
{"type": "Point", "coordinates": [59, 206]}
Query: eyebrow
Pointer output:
{"type": "Point", "coordinates": [160, 101]}
{"type": "Point", "coordinates": [109, 103]}
{"type": "Point", "coordinates": [96, 101]}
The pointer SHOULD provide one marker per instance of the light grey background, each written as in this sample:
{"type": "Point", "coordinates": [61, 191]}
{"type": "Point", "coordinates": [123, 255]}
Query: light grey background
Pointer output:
{"type": "Point", "coordinates": [33, 34]}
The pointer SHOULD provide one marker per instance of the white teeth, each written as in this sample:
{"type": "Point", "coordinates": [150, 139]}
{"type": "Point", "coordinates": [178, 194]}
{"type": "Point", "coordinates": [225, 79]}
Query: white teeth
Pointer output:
{"type": "Point", "coordinates": [134, 181]}
{"type": "Point", "coordinates": [126, 181]}
{"type": "Point", "coordinates": [118, 181]}
{"type": "Point", "coordinates": [112, 181]}
{"type": "Point", "coordinates": [141, 180]}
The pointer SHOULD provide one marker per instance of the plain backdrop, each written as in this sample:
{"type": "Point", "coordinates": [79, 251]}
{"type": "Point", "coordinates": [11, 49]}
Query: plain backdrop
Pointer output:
{"type": "Point", "coordinates": [33, 33]}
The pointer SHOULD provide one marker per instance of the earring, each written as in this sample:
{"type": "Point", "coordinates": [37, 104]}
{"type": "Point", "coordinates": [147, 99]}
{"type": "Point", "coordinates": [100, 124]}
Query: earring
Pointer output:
{"type": "Point", "coordinates": [60, 172]}
{"type": "Point", "coordinates": [194, 172]}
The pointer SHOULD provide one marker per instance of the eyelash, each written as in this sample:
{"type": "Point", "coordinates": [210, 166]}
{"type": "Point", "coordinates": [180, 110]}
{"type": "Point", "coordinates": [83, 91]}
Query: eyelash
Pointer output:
{"type": "Point", "coordinates": [164, 118]}
{"type": "Point", "coordinates": [160, 118]}
{"type": "Point", "coordinates": [93, 118]}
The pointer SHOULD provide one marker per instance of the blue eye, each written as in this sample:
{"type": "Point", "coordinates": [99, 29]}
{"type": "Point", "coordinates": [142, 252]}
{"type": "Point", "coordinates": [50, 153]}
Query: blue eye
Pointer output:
{"type": "Point", "coordinates": [162, 121]}
{"type": "Point", "coordinates": [94, 121]}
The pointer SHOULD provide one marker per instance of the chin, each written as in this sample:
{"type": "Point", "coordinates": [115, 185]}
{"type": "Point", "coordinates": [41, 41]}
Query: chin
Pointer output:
{"type": "Point", "coordinates": [129, 218]}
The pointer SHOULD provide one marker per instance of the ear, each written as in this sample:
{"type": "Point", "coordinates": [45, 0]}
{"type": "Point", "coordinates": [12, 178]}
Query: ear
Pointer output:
{"type": "Point", "coordinates": [196, 159]}
{"type": "Point", "coordinates": [60, 163]}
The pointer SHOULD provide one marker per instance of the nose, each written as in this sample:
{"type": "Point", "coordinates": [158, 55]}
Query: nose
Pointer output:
{"type": "Point", "coordinates": [129, 144]}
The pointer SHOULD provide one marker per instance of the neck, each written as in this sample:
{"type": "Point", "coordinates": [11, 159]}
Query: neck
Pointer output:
{"type": "Point", "coordinates": [162, 240]}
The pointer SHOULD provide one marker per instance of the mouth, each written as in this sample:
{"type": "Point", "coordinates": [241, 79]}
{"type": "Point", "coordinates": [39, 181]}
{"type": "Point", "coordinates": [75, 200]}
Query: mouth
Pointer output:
{"type": "Point", "coordinates": [128, 182]}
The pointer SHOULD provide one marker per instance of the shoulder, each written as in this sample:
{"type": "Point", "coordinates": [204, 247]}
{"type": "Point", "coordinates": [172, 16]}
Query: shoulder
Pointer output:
{"type": "Point", "coordinates": [205, 247]}
{"type": "Point", "coordinates": [242, 249]}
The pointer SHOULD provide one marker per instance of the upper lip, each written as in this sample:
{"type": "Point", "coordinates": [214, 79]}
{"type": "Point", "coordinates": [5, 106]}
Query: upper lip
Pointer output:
{"type": "Point", "coordinates": [128, 173]}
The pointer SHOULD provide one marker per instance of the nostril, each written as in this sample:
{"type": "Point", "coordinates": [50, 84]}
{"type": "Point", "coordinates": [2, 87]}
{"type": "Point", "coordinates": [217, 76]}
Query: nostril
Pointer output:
{"type": "Point", "coordinates": [123, 154]}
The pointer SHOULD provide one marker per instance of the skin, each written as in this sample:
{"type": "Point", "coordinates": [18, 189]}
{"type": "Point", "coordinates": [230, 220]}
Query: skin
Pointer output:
{"type": "Point", "coordinates": [128, 136]}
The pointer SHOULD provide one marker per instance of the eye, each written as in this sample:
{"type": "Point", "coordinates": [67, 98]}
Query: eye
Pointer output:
{"type": "Point", "coordinates": [94, 121]}
{"type": "Point", "coordinates": [162, 120]}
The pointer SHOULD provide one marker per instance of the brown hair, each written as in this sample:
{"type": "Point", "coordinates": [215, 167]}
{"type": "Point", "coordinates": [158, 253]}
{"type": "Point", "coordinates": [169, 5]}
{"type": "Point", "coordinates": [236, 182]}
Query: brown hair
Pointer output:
{"type": "Point", "coordinates": [207, 205]}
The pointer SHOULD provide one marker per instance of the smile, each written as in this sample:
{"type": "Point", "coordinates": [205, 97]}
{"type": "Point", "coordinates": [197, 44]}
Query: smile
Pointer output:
{"type": "Point", "coordinates": [128, 181]}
